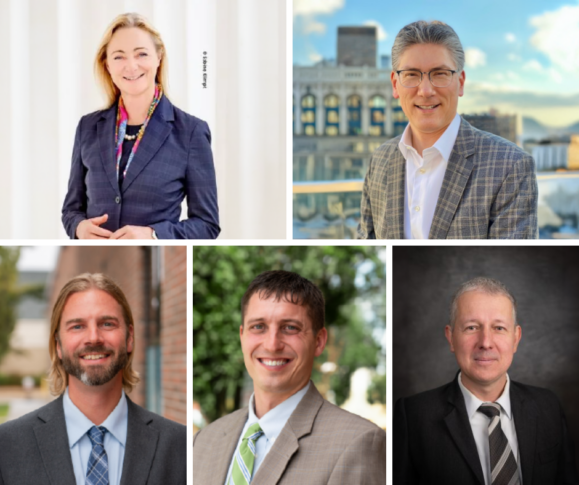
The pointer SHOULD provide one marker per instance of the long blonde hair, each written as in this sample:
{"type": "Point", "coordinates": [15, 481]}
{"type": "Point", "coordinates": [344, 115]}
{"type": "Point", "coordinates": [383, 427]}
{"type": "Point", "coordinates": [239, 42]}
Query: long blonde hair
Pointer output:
{"type": "Point", "coordinates": [57, 376]}
{"type": "Point", "coordinates": [100, 64]}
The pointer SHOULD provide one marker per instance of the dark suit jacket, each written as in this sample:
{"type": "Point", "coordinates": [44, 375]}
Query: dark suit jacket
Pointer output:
{"type": "Point", "coordinates": [173, 161]}
{"type": "Point", "coordinates": [489, 191]}
{"type": "Point", "coordinates": [320, 444]}
{"type": "Point", "coordinates": [434, 444]}
{"type": "Point", "coordinates": [34, 449]}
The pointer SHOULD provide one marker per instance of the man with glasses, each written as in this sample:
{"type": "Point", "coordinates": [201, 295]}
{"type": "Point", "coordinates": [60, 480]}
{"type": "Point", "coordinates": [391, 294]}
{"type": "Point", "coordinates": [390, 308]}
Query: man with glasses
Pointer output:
{"type": "Point", "coordinates": [443, 178]}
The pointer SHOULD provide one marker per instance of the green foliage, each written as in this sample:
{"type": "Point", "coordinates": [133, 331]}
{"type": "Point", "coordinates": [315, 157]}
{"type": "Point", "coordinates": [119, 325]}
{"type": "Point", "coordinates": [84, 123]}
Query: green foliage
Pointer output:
{"type": "Point", "coordinates": [222, 274]}
{"type": "Point", "coordinates": [377, 390]}
{"type": "Point", "coordinates": [11, 294]}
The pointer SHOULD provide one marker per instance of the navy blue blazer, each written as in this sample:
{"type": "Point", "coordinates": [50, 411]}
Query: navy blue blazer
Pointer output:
{"type": "Point", "coordinates": [173, 161]}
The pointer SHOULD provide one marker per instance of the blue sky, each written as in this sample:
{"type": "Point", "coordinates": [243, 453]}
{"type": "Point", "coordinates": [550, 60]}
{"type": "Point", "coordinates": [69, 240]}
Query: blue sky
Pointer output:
{"type": "Point", "coordinates": [522, 56]}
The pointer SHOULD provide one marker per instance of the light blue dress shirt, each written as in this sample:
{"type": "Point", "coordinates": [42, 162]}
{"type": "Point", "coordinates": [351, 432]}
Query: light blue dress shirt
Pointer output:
{"type": "Point", "coordinates": [77, 426]}
{"type": "Point", "coordinates": [271, 423]}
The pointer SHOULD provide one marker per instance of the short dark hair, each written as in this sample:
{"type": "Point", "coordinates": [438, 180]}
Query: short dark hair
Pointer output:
{"type": "Point", "coordinates": [292, 288]}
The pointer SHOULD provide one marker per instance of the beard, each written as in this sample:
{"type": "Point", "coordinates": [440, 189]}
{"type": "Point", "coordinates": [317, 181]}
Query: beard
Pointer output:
{"type": "Point", "coordinates": [95, 375]}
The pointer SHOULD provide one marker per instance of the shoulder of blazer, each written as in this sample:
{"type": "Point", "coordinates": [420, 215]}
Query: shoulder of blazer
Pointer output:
{"type": "Point", "coordinates": [224, 424]}
{"type": "Point", "coordinates": [432, 401]}
{"type": "Point", "coordinates": [386, 151]}
{"type": "Point", "coordinates": [490, 145]}
{"type": "Point", "coordinates": [153, 420]}
{"type": "Point", "coordinates": [52, 410]}
{"type": "Point", "coordinates": [545, 399]}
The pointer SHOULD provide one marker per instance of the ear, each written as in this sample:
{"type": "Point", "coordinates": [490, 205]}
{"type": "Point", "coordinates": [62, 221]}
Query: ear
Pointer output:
{"type": "Point", "coordinates": [130, 339]}
{"type": "Point", "coordinates": [58, 349]}
{"type": "Point", "coordinates": [321, 340]}
{"type": "Point", "coordinates": [461, 78]}
{"type": "Point", "coordinates": [394, 80]}
{"type": "Point", "coordinates": [241, 331]}
{"type": "Point", "coordinates": [518, 335]}
{"type": "Point", "coordinates": [448, 335]}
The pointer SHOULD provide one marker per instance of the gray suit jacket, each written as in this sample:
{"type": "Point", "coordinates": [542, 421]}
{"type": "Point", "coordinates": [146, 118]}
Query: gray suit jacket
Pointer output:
{"type": "Point", "coordinates": [489, 191]}
{"type": "Point", "coordinates": [35, 450]}
{"type": "Point", "coordinates": [320, 444]}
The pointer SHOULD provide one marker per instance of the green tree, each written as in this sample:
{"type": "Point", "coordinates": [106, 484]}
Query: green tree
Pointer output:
{"type": "Point", "coordinates": [11, 294]}
{"type": "Point", "coordinates": [221, 276]}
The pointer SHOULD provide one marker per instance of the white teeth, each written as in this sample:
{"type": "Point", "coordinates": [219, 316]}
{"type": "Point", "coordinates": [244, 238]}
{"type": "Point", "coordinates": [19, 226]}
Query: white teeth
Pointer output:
{"type": "Point", "coordinates": [94, 357]}
{"type": "Point", "coordinates": [133, 78]}
{"type": "Point", "coordinates": [273, 363]}
{"type": "Point", "coordinates": [427, 107]}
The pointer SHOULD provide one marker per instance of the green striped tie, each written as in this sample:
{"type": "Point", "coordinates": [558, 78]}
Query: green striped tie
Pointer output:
{"type": "Point", "coordinates": [245, 456]}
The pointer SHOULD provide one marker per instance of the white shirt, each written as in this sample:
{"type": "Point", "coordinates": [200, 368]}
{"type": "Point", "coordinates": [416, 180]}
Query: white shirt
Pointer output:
{"type": "Point", "coordinates": [271, 423]}
{"type": "Point", "coordinates": [479, 424]}
{"type": "Point", "coordinates": [77, 426]}
{"type": "Point", "coordinates": [424, 176]}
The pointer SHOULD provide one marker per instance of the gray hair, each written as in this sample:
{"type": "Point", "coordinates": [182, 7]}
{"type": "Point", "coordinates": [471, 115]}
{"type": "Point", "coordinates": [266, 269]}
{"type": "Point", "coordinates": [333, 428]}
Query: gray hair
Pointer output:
{"type": "Point", "coordinates": [423, 32]}
{"type": "Point", "coordinates": [486, 285]}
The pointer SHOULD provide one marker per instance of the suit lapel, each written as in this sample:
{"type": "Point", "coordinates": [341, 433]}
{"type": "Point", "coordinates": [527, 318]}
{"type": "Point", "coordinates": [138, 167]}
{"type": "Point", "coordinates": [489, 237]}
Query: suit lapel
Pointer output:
{"type": "Point", "coordinates": [106, 137]}
{"type": "Point", "coordinates": [142, 442]}
{"type": "Point", "coordinates": [394, 216]}
{"type": "Point", "coordinates": [526, 420]}
{"type": "Point", "coordinates": [286, 445]}
{"type": "Point", "coordinates": [156, 133]}
{"type": "Point", "coordinates": [52, 440]}
{"type": "Point", "coordinates": [455, 179]}
{"type": "Point", "coordinates": [226, 448]}
{"type": "Point", "coordinates": [458, 425]}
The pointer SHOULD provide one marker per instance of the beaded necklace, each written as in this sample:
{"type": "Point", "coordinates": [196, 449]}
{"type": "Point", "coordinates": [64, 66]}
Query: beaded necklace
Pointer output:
{"type": "Point", "coordinates": [121, 128]}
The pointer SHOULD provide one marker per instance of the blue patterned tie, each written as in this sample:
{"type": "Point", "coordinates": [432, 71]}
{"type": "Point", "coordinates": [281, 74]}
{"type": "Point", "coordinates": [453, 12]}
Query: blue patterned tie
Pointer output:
{"type": "Point", "coordinates": [97, 472]}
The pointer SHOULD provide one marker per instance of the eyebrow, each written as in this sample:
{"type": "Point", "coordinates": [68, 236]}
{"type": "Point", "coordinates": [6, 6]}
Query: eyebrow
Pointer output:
{"type": "Point", "coordinates": [99, 320]}
{"type": "Point", "coordinates": [122, 52]}
{"type": "Point", "coordinates": [442, 66]}
{"type": "Point", "coordinates": [283, 320]}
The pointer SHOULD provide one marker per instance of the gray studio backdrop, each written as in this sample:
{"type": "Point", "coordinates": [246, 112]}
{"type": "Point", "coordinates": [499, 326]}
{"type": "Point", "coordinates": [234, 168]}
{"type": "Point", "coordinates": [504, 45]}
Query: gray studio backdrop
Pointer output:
{"type": "Point", "coordinates": [545, 282]}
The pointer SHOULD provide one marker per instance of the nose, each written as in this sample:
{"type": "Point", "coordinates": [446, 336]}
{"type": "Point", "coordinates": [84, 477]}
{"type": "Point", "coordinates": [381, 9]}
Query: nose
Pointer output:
{"type": "Point", "coordinates": [485, 338]}
{"type": "Point", "coordinates": [93, 335]}
{"type": "Point", "coordinates": [273, 342]}
{"type": "Point", "coordinates": [425, 88]}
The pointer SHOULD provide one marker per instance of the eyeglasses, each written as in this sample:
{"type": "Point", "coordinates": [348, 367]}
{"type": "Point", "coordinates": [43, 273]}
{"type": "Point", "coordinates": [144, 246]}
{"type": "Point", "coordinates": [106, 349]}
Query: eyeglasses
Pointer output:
{"type": "Point", "coordinates": [439, 78]}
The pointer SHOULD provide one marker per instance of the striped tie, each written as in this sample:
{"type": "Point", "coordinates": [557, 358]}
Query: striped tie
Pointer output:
{"type": "Point", "coordinates": [245, 456]}
{"type": "Point", "coordinates": [97, 472]}
{"type": "Point", "coordinates": [504, 469]}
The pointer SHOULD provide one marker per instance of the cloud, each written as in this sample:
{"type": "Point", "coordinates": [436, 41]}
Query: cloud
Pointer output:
{"type": "Point", "coordinates": [513, 76]}
{"type": "Point", "coordinates": [493, 94]}
{"type": "Point", "coordinates": [514, 57]}
{"type": "Point", "coordinates": [314, 57]}
{"type": "Point", "coordinates": [533, 65]}
{"type": "Point", "coordinates": [555, 75]}
{"type": "Point", "coordinates": [556, 36]}
{"type": "Point", "coordinates": [475, 57]}
{"type": "Point", "coordinates": [510, 37]}
{"type": "Point", "coordinates": [380, 32]}
{"type": "Point", "coordinates": [316, 7]}
{"type": "Point", "coordinates": [312, 26]}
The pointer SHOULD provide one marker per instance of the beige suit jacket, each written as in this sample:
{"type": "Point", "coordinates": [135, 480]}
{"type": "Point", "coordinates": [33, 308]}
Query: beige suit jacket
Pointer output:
{"type": "Point", "coordinates": [320, 444]}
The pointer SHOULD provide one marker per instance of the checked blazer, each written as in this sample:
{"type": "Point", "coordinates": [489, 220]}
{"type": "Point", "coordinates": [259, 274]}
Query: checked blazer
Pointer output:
{"type": "Point", "coordinates": [433, 441]}
{"type": "Point", "coordinates": [489, 191]}
{"type": "Point", "coordinates": [173, 162]}
{"type": "Point", "coordinates": [34, 449]}
{"type": "Point", "coordinates": [320, 444]}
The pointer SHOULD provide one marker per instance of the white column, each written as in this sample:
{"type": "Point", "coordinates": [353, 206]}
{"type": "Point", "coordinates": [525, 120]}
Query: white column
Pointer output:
{"type": "Point", "coordinates": [298, 110]}
{"type": "Point", "coordinates": [365, 111]}
{"type": "Point", "coordinates": [343, 110]}
{"type": "Point", "coordinates": [320, 93]}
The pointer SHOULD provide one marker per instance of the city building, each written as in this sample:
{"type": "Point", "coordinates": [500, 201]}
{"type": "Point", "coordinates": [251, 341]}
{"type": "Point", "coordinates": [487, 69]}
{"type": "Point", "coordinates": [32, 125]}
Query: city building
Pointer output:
{"type": "Point", "coordinates": [502, 125]}
{"type": "Point", "coordinates": [573, 153]}
{"type": "Point", "coordinates": [154, 280]}
{"type": "Point", "coordinates": [357, 46]}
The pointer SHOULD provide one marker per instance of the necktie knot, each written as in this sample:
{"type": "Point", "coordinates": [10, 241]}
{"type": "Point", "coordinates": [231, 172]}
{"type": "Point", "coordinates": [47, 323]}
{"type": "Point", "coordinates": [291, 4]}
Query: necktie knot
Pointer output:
{"type": "Point", "coordinates": [253, 433]}
{"type": "Point", "coordinates": [490, 409]}
{"type": "Point", "coordinates": [97, 435]}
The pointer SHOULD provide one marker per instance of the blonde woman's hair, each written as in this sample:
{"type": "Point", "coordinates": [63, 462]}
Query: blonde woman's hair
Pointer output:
{"type": "Point", "coordinates": [102, 74]}
{"type": "Point", "coordinates": [57, 376]}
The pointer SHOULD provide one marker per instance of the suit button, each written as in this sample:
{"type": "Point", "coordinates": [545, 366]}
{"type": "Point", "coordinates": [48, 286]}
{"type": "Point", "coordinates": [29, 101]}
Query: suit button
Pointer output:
{"type": "Point", "coordinates": [117, 199]}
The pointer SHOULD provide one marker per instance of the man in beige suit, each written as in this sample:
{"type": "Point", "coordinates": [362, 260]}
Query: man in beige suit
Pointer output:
{"type": "Point", "coordinates": [289, 434]}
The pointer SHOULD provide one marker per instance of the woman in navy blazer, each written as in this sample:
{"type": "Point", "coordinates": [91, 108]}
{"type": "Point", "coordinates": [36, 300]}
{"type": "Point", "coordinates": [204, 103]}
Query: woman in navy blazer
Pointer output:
{"type": "Point", "coordinates": [135, 162]}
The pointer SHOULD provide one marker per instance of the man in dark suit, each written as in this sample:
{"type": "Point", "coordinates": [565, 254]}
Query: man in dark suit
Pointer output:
{"type": "Point", "coordinates": [92, 433]}
{"type": "Point", "coordinates": [443, 178]}
{"type": "Point", "coordinates": [482, 428]}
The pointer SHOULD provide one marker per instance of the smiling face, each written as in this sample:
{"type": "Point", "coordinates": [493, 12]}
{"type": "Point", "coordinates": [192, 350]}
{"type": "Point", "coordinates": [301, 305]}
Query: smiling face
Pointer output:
{"type": "Point", "coordinates": [132, 61]}
{"type": "Point", "coordinates": [429, 109]}
{"type": "Point", "coordinates": [484, 339]}
{"type": "Point", "coordinates": [93, 340]}
{"type": "Point", "coordinates": [279, 346]}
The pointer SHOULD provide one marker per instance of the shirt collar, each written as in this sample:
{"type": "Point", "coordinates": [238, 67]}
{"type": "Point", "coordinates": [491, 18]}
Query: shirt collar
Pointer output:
{"type": "Point", "coordinates": [443, 145]}
{"type": "Point", "coordinates": [77, 424]}
{"type": "Point", "coordinates": [275, 419]}
{"type": "Point", "coordinates": [473, 403]}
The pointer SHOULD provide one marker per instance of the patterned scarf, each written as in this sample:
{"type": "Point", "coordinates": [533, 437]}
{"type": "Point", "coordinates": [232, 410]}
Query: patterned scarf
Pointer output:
{"type": "Point", "coordinates": [121, 128]}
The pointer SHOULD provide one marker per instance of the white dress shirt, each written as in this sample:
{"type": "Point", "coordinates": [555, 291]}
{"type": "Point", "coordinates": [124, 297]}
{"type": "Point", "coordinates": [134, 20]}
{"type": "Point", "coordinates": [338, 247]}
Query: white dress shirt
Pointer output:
{"type": "Point", "coordinates": [77, 426]}
{"type": "Point", "coordinates": [271, 423]}
{"type": "Point", "coordinates": [480, 427]}
{"type": "Point", "coordinates": [424, 176]}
